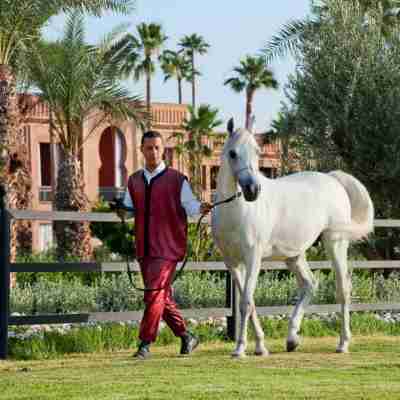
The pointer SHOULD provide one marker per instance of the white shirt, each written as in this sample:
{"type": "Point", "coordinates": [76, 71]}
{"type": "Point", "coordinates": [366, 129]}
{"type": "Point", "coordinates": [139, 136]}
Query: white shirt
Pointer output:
{"type": "Point", "coordinates": [188, 200]}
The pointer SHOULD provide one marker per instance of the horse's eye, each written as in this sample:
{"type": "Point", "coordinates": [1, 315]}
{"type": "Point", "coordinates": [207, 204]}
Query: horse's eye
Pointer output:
{"type": "Point", "coordinates": [232, 154]}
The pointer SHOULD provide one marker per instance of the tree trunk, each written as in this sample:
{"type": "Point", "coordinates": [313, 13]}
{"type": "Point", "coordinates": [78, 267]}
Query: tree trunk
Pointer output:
{"type": "Point", "coordinates": [14, 162]}
{"type": "Point", "coordinates": [193, 85]}
{"type": "Point", "coordinates": [53, 161]}
{"type": "Point", "coordinates": [195, 159]}
{"type": "Point", "coordinates": [73, 238]}
{"type": "Point", "coordinates": [249, 108]}
{"type": "Point", "coordinates": [179, 91]}
{"type": "Point", "coordinates": [148, 99]}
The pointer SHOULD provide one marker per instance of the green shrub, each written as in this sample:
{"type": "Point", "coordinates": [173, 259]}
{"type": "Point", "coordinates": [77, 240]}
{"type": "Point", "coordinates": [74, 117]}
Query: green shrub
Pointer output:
{"type": "Point", "coordinates": [113, 292]}
{"type": "Point", "coordinates": [117, 237]}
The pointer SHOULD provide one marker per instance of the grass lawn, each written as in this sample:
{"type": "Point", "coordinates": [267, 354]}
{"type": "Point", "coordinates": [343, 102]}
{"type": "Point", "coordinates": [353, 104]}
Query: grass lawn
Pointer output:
{"type": "Point", "coordinates": [371, 371]}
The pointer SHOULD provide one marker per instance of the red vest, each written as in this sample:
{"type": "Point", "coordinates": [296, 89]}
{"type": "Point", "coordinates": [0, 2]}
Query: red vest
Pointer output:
{"type": "Point", "coordinates": [160, 219]}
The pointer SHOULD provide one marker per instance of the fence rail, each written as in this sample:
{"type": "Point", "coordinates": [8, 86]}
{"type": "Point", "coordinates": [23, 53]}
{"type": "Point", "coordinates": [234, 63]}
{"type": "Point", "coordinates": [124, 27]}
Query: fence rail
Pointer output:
{"type": "Point", "coordinates": [190, 266]}
{"type": "Point", "coordinates": [230, 311]}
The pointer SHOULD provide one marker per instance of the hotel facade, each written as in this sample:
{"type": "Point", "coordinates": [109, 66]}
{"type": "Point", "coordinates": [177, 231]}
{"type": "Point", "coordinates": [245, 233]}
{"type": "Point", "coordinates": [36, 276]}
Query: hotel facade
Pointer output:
{"type": "Point", "coordinates": [110, 154]}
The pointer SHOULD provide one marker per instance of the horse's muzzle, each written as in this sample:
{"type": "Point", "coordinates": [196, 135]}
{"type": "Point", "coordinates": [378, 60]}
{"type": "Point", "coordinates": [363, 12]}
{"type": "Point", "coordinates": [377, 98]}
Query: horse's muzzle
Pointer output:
{"type": "Point", "coordinates": [251, 191]}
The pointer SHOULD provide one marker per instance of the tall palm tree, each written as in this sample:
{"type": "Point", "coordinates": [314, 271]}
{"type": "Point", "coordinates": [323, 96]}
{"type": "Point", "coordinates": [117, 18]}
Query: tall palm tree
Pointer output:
{"type": "Point", "coordinates": [191, 45]}
{"type": "Point", "coordinates": [192, 145]}
{"type": "Point", "coordinates": [175, 65]}
{"type": "Point", "coordinates": [78, 83]}
{"type": "Point", "coordinates": [20, 25]}
{"type": "Point", "coordinates": [136, 54]}
{"type": "Point", "coordinates": [253, 74]}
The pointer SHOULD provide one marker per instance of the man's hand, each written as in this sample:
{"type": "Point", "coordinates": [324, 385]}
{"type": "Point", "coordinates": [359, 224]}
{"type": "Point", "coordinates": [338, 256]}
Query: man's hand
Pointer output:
{"type": "Point", "coordinates": [205, 208]}
{"type": "Point", "coordinates": [117, 205]}
{"type": "Point", "coordinates": [122, 214]}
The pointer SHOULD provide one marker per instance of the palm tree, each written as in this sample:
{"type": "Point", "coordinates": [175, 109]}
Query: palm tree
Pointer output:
{"type": "Point", "coordinates": [192, 143]}
{"type": "Point", "coordinates": [285, 131]}
{"type": "Point", "coordinates": [193, 146]}
{"type": "Point", "coordinates": [78, 83]}
{"type": "Point", "coordinates": [136, 54]}
{"type": "Point", "coordinates": [191, 45]}
{"type": "Point", "coordinates": [175, 65]}
{"type": "Point", "coordinates": [20, 25]}
{"type": "Point", "coordinates": [253, 74]}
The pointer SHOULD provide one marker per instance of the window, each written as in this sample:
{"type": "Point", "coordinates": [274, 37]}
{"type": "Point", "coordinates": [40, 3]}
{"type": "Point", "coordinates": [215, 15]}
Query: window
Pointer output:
{"type": "Point", "coordinates": [213, 177]}
{"type": "Point", "coordinates": [47, 169]}
{"type": "Point", "coordinates": [45, 164]}
{"type": "Point", "coordinates": [45, 236]}
{"type": "Point", "coordinates": [204, 177]}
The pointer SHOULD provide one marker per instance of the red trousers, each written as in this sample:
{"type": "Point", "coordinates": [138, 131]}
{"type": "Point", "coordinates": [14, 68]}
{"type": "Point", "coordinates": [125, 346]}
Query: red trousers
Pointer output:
{"type": "Point", "coordinates": [158, 273]}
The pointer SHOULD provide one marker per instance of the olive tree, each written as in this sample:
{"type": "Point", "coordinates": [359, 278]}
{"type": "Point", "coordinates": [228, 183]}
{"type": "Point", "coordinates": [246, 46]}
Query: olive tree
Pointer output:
{"type": "Point", "coordinates": [347, 95]}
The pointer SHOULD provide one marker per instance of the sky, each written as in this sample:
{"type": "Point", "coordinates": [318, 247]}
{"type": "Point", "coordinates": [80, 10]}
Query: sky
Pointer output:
{"type": "Point", "coordinates": [233, 29]}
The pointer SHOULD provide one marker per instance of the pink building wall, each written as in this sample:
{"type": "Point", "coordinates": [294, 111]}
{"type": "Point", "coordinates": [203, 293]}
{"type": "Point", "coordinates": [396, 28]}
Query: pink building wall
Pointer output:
{"type": "Point", "coordinates": [167, 118]}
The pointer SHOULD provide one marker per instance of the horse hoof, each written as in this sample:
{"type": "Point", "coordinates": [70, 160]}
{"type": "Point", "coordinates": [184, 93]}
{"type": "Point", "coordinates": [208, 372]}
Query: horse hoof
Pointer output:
{"type": "Point", "coordinates": [238, 355]}
{"type": "Point", "coordinates": [261, 353]}
{"type": "Point", "coordinates": [291, 345]}
{"type": "Point", "coordinates": [342, 350]}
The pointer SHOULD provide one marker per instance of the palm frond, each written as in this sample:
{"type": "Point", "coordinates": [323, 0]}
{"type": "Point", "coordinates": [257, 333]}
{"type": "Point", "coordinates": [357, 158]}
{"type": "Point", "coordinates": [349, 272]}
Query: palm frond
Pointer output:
{"type": "Point", "coordinates": [235, 84]}
{"type": "Point", "coordinates": [77, 81]}
{"type": "Point", "coordinates": [95, 7]}
{"type": "Point", "coordinates": [287, 40]}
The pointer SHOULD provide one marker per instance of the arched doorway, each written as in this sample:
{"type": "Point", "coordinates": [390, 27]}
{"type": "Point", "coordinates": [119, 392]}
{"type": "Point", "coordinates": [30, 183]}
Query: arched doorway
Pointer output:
{"type": "Point", "coordinates": [112, 172]}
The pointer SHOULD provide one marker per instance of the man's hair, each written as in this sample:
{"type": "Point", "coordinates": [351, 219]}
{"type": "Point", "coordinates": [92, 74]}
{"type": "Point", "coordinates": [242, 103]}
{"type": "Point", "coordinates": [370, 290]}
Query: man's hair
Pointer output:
{"type": "Point", "coordinates": [151, 135]}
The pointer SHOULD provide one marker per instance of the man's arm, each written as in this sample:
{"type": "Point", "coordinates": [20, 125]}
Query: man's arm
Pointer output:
{"type": "Point", "coordinates": [192, 206]}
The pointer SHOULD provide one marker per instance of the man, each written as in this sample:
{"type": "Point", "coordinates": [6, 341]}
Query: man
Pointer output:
{"type": "Point", "coordinates": [161, 198]}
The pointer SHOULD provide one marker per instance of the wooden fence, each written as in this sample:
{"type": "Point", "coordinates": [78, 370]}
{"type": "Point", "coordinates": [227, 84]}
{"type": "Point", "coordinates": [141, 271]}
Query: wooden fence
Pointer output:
{"type": "Point", "coordinates": [231, 307]}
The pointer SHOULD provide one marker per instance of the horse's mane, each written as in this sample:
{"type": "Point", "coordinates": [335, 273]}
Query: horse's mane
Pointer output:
{"type": "Point", "coordinates": [241, 136]}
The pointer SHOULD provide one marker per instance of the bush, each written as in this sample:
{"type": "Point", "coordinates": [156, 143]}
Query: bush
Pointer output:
{"type": "Point", "coordinates": [113, 292]}
{"type": "Point", "coordinates": [49, 256]}
{"type": "Point", "coordinates": [117, 237]}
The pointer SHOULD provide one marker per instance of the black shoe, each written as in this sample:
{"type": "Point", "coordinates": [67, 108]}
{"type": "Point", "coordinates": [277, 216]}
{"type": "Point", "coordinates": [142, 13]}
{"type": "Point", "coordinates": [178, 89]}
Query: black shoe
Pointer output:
{"type": "Point", "coordinates": [143, 352]}
{"type": "Point", "coordinates": [189, 343]}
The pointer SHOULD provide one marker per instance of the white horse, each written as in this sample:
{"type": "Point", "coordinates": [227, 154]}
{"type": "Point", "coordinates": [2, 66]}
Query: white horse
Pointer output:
{"type": "Point", "coordinates": [283, 217]}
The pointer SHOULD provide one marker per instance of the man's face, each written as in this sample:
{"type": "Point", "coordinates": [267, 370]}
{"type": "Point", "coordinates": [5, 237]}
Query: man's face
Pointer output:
{"type": "Point", "coordinates": [152, 150]}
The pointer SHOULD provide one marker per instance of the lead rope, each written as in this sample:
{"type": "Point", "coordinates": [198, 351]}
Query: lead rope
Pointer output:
{"type": "Point", "coordinates": [179, 273]}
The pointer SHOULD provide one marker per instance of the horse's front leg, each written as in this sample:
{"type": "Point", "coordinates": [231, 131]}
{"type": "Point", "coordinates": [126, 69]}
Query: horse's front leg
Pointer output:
{"type": "Point", "coordinates": [247, 306]}
{"type": "Point", "coordinates": [260, 349]}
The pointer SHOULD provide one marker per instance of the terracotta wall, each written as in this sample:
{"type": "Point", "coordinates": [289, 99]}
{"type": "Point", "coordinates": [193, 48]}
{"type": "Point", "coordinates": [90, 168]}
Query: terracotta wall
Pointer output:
{"type": "Point", "coordinates": [167, 118]}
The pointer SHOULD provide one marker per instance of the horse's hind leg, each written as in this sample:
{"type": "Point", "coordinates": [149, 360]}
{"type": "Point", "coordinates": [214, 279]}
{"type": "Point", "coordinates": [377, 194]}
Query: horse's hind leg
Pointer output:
{"type": "Point", "coordinates": [307, 284]}
{"type": "Point", "coordinates": [260, 349]}
{"type": "Point", "coordinates": [338, 249]}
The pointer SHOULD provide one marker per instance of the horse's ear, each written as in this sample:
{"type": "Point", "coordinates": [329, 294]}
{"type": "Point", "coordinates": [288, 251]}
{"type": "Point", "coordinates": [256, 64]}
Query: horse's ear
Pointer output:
{"type": "Point", "coordinates": [252, 124]}
{"type": "Point", "coordinates": [230, 126]}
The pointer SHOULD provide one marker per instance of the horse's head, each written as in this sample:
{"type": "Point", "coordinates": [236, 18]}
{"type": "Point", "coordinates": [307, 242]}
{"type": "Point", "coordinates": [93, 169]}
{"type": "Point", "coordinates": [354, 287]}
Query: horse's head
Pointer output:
{"type": "Point", "coordinates": [241, 152]}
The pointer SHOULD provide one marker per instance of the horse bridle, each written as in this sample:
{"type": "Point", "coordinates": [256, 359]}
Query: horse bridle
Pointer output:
{"type": "Point", "coordinates": [119, 204]}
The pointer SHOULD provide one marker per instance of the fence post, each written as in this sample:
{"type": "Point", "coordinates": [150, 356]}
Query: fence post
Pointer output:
{"type": "Point", "coordinates": [232, 301]}
{"type": "Point", "coordinates": [4, 274]}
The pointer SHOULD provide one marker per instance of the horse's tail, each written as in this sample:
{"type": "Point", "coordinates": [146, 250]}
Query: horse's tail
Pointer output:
{"type": "Point", "coordinates": [362, 208]}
